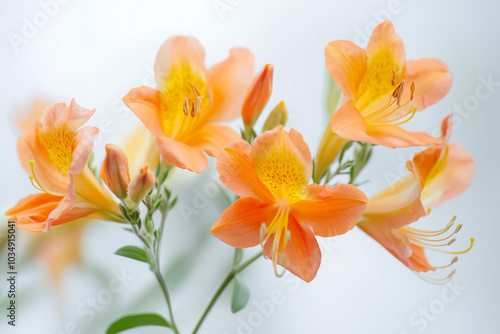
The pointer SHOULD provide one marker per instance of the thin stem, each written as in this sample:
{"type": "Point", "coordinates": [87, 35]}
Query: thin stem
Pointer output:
{"type": "Point", "coordinates": [163, 285]}
{"type": "Point", "coordinates": [223, 286]}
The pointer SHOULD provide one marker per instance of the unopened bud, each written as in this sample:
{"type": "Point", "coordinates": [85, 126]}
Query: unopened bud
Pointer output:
{"type": "Point", "coordinates": [278, 116]}
{"type": "Point", "coordinates": [258, 95]}
{"type": "Point", "coordinates": [115, 172]}
{"type": "Point", "coordinates": [141, 184]}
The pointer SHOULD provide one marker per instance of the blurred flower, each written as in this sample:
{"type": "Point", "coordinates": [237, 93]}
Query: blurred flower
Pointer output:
{"type": "Point", "coordinates": [278, 208]}
{"type": "Point", "coordinates": [141, 147]}
{"type": "Point", "coordinates": [184, 111]}
{"type": "Point", "coordinates": [114, 171]}
{"type": "Point", "coordinates": [257, 97]}
{"type": "Point", "coordinates": [55, 153]}
{"type": "Point", "coordinates": [438, 174]}
{"type": "Point", "coordinates": [382, 90]}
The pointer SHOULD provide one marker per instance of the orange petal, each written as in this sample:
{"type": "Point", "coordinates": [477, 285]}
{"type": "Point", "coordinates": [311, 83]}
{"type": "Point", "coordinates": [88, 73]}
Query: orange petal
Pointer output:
{"type": "Point", "coordinates": [283, 162]}
{"type": "Point", "coordinates": [424, 162]}
{"type": "Point", "coordinates": [82, 146]}
{"type": "Point", "coordinates": [396, 206]}
{"type": "Point", "coordinates": [302, 253]}
{"type": "Point", "coordinates": [395, 242]}
{"type": "Point", "coordinates": [182, 155]}
{"type": "Point", "coordinates": [348, 123]}
{"type": "Point", "coordinates": [179, 50]}
{"type": "Point", "coordinates": [212, 138]}
{"type": "Point", "coordinates": [385, 53]}
{"type": "Point", "coordinates": [432, 81]}
{"type": "Point", "coordinates": [347, 65]}
{"type": "Point", "coordinates": [237, 172]}
{"type": "Point", "coordinates": [60, 115]}
{"type": "Point", "coordinates": [330, 211]}
{"type": "Point", "coordinates": [230, 81]}
{"type": "Point", "coordinates": [239, 225]}
{"type": "Point", "coordinates": [394, 136]}
{"type": "Point", "coordinates": [145, 103]}
{"type": "Point", "coordinates": [454, 178]}
{"type": "Point", "coordinates": [64, 206]}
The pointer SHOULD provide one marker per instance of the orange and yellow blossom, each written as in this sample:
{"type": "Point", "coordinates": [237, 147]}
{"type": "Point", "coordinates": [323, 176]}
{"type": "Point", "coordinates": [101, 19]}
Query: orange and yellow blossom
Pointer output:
{"type": "Point", "coordinates": [278, 209]}
{"type": "Point", "coordinates": [382, 90]}
{"type": "Point", "coordinates": [54, 152]}
{"type": "Point", "coordinates": [190, 100]}
{"type": "Point", "coordinates": [438, 174]}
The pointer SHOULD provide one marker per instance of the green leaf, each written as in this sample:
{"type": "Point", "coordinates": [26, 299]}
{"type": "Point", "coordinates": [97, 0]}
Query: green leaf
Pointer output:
{"type": "Point", "coordinates": [240, 296]}
{"type": "Point", "coordinates": [133, 252]}
{"type": "Point", "coordinates": [137, 320]}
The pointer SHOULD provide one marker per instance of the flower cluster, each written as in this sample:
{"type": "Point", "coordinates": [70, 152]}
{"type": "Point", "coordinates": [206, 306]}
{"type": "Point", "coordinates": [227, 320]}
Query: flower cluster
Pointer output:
{"type": "Point", "coordinates": [270, 170]}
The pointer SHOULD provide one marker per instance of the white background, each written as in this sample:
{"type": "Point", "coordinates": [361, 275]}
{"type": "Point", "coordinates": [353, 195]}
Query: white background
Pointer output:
{"type": "Point", "coordinates": [96, 51]}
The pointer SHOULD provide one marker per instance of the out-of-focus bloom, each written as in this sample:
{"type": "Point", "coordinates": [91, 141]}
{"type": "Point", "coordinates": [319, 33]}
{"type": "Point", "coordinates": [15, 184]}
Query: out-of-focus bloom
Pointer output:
{"type": "Point", "coordinates": [184, 111]}
{"type": "Point", "coordinates": [382, 90]}
{"type": "Point", "coordinates": [278, 116]}
{"type": "Point", "coordinates": [141, 184]}
{"type": "Point", "coordinates": [114, 171]}
{"type": "Point", "coordinates": [141, 148]}
{"type": "Point", "coordinates": [258, 95]}
{"type": "Point", "coordinates": [329, 147]}
{"type": "Point", "coordinates": [438, 174]}
{"type": "Point", "coordinates": [55, 153]}
{"type": "Point", "coordinates": [278, 208]}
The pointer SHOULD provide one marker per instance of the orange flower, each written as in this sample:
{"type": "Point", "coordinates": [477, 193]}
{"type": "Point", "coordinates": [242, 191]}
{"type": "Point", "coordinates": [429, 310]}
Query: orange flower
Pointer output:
{"type": "Point", "coordinates": [278, 208]}
{"type": "Point", "coordinates": [55, 153]}
{"type": "Point", "coordinates": [438, 174]}
{"type": "Point", "coordinates": [183, 113]}
{"type": "Point", "coordinates": [382, 90]}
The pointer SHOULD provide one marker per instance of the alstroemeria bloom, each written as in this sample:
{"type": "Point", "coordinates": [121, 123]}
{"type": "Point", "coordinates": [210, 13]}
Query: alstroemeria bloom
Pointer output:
{"type": "Point", "coordinates": [54, 152]}
{"type": "Point", "coordinates": [184, 111]}
{"type": "Point", "coordinates": [438, 174]}
{"type": "Point", "coordinates": [382, 90]}
{"type": "Point", "coordinates": [278, 208]}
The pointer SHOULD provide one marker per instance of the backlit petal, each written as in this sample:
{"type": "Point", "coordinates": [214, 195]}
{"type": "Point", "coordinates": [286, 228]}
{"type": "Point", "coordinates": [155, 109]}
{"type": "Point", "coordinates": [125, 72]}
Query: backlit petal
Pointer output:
{"type": "Point", "coordinates": [330, 211]}
{"type": "Point", "coordinates": [239, 225]}
{"type": "Point", "coordinates": [347, 65]}
{"type": "Point", "coordinates": [302, 253]}
{"type": "Point", "coordinates": [229, 81]}
{"type": "Point", "coordinates": [145, 103]}
{"type": "Point", "coordinates": [213, 138]}
{"type": "Point", "coordinates": [237, 172]}
{"type": "Point", "coordinates": [182, 155]}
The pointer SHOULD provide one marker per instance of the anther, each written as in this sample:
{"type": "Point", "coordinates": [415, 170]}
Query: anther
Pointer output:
{"type": "Point", "coordinates": [193, 111]}
{"type": "Point", "coordinates": [186, 106]}
{"type": "Point", "coordinates": [288, 236]}
{"type": "Point", "coordinates": [458, 228]}
{"type": "Point", "coordinates": [393, 82]}
{"type": "Point", "coordinates": [451, 241]}
{"type": "Point", "coordinates": [195, 90]}
{"type": "Point", "coordinates": [412, 89]}
{"type": "Point", "coordinates": [198, 104]}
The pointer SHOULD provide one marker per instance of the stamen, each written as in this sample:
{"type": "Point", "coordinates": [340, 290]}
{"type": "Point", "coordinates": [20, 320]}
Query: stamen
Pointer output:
{"type": "Point", "coordinates": [288, 236]}
{"type": "Point", "coordinates": [195, 90]}
{"type": "Point", "coordinates": [393, 82]}
{"type": "Point", "coordinates": [32, 164]}
{"type": "Point", "coordinates": [436, 281]}
{"type": "Point", "coordinates": [262, 233]}
{"type": "Point", "coordinates": [461, 252]}
{"type": "Point", "coordinates": [193, 112]}
{"type": "Point", "coordinates": [198, 105]}
{"type": "Point", "coordinates": [186, 106]}
{"type": "Point", "coordinates": [412, 90]}
{"type": "Point", "coordinates": [453, 261]}
{"type": "Point", "coordinates": [432, 233]}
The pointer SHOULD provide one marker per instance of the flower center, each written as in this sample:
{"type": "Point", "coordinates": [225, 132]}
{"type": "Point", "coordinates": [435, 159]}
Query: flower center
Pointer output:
{"type": "Point", "coordinates": [394, 112]}
{"type": "Point", "coordinates": [59, 144]}
{"type": "Point", "coordinates": [184, 94]}
{"type": "Point", "coordinates": [282, 236]}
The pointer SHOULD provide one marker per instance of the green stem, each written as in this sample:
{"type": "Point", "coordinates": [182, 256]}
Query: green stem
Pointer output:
{"type": "Point", "coordinates": [163, 285]}
{"type": "Point", "coordinates": [223, 286]}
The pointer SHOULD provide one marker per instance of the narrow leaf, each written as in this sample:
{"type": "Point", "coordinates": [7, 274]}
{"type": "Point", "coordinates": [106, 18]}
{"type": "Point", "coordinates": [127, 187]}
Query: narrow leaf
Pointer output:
{"type": "Point", "coordinates": [137, 320]}
{"type": "Point", "coordinates": [133, 252]}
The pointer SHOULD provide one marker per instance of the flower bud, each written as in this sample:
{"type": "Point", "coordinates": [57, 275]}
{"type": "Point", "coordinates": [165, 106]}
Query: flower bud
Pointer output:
{"type": "Point", "coordinates": [141, 184]}
{"type": "Point", "coordinates": [257, 96]}
{"type": "Point", "coordinates": [114, 171]}
{"type": "Point", "coordinates": [278, 116]}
